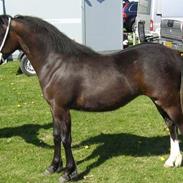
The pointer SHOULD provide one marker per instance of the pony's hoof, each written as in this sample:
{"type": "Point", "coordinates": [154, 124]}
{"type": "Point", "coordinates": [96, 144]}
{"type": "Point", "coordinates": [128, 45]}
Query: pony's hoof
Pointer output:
{"type": "Point", "coordinates": [50, 170]}
{"type": "Point", "coordinates": [173, 162]}
{"type": "Point", "coordinates": [168, 164]}
{"type": "Point", "coordinates": [67, 178]}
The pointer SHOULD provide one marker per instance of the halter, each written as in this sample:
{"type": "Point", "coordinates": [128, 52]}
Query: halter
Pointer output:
{"type": "Point", "coordinates": [5, 37]}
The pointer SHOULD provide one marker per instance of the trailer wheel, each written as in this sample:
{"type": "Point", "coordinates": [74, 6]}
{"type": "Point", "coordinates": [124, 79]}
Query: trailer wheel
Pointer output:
{"type": "Point", "coordinates": [26, 66]}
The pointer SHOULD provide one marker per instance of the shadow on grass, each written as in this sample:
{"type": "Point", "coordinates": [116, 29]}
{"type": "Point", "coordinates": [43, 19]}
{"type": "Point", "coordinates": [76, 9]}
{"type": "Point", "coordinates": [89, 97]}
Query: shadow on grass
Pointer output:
{"type": "Point", "coordinates": [29, 132]}
{"type": "Point", "coordinates": [108, 145]}
{"type": "Point", "coordinates": [113, 145]}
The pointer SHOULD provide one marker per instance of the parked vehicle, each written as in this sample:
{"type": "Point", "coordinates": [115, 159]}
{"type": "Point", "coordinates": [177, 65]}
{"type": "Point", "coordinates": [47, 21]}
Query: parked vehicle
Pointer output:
{"type": "Point", "coordinates": [152, 11]}
{"type": "Point", "coordinates": [172, 33]}
{"type": "Point", "coordinates": [129, 15]}
{"type": "Point", "coordinates": [25, 65]}
{"type": "Point", "coordinates": [149, 13]}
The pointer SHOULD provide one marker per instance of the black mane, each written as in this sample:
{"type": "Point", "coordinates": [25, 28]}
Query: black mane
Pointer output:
{"type": "Point", "coordinates": [57, 41]}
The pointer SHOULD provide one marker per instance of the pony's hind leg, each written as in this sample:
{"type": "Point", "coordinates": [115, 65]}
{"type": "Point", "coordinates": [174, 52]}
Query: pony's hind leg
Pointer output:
{"type": "Point", "coordinates": [175, 157]}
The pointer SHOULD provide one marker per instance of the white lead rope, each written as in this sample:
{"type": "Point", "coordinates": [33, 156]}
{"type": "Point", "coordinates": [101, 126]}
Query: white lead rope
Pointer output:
{"type": "Point", "coordinates": [5, 36]}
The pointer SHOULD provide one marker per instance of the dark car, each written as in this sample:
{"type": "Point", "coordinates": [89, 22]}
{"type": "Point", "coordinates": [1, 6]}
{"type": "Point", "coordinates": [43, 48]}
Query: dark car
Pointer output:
{"type": "Point", "coordinates": [129, 15]}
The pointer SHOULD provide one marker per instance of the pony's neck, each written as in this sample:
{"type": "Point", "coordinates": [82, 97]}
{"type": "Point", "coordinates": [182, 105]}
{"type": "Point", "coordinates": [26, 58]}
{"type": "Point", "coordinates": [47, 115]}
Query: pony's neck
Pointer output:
{"type": "Point", "coordinates": [30, 45]}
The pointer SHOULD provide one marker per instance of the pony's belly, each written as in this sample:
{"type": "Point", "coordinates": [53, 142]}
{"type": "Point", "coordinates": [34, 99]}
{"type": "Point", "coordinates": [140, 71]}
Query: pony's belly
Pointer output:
{"type": "Point", "coordinates": [102, 103]}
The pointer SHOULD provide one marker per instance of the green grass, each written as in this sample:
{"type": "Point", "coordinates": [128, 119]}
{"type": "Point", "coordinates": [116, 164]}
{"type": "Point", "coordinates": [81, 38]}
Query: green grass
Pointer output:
{"type": "Point", "coordinates": [128, 145]}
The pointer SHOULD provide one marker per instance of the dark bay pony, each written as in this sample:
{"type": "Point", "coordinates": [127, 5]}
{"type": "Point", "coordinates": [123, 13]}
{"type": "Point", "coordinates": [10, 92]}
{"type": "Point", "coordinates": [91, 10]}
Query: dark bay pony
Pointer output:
{"type": "Point", "coordinates": [73, 76]}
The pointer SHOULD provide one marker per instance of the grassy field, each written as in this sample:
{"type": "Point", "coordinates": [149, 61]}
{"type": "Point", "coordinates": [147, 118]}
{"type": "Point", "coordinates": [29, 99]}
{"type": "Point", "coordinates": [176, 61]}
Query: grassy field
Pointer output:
{"type": "Point", "coordinates": [128, 145]}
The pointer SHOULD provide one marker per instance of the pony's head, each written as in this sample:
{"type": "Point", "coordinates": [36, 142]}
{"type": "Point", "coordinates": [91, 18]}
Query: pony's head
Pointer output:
{"type": "Point", "coordinates": [8, 38]}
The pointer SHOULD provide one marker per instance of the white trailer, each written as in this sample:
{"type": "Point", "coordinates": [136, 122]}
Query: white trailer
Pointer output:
{"type": "Point", "coordinates": [94, 23]}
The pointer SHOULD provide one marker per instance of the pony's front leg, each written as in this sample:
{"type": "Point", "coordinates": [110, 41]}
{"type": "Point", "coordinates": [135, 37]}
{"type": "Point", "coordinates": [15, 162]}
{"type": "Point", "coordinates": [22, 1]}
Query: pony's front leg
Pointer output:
{"type": "Point", "coordinates": [175, 158]}
{"type": "Point", "coordinates": [57, 164]}
{"type": "Point", "coordinates": [70, 171]}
